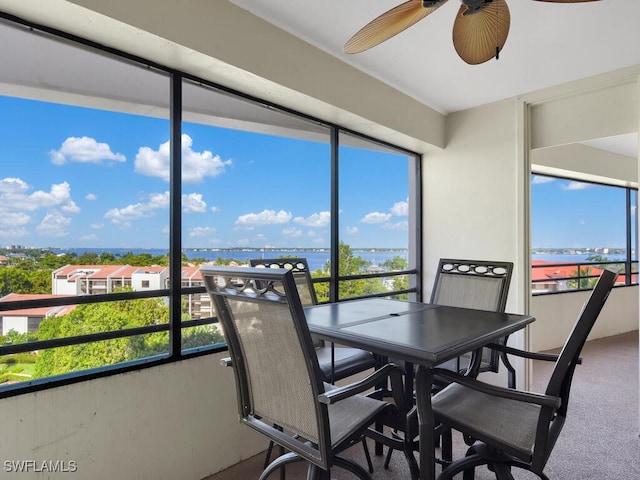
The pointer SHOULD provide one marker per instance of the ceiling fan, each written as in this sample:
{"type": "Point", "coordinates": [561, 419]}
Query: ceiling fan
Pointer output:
{"type": "Point", "coordinates": [479, 32]}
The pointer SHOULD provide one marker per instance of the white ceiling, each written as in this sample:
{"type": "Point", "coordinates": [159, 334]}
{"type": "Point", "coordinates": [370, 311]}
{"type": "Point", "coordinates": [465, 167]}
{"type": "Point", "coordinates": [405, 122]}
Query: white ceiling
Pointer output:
{"type": "Point", "coordinates": [548, 44]}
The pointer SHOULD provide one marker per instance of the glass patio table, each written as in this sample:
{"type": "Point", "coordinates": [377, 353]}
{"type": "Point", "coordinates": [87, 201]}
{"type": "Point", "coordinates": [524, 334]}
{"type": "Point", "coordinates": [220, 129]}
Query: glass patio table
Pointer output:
{"type": "Point", "coordinates": [419, 333]}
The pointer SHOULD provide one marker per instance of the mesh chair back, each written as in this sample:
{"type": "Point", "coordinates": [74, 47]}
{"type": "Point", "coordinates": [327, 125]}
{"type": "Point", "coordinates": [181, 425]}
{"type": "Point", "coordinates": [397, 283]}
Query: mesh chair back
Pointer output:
{"type": "Point", "coordinates": [560, 380]}
{"type": "Point", "coordinates": [301, 274]}
{"type": "Point", "coordinates": [482, 285]}
{"type": "Point", "coordinates": [274, 360]}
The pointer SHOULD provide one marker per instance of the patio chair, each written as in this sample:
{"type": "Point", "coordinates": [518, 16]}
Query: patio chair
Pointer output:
{"type": "Point", "coordinates": [478, 284]}
{"type": "Point", "coordinates": [335, 363]}
{"type": "Point", "coordinates": [515, 428]}
{"type": "Point", "coordinates": [277, 376]}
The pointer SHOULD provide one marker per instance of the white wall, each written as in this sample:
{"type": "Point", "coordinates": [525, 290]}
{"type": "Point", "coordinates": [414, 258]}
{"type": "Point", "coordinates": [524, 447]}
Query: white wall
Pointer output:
{"type": "Point", "coordinates": [471, 192]}
{"type": "Point", "coordinates": [556, 314]}
{"type": "Point", "coordinates": [177, 421]}
{"type": "Point", "coordinates": [473, 195]}
{"type": "Point", "coordinates": [19, 323]}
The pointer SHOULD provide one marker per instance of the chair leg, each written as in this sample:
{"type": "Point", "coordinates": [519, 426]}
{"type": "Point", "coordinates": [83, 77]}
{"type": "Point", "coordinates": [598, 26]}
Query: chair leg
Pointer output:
{"type": "Point", "coordinates": [367, 455]}
{"type": "Point", "coordinates": [316, 473]}
{"type": "Point", "coordinates": [388, 458]}
{"type": "Point", "coordinates": [465, 464]}
{"type": "Point", "coordinates": [502, 471]}
{"type": "Point", "coordinates": [447, 446]}
{"type": "Point", "coordinates": [267, 459]}
{"type": "Point", "coordinates": [279, 463]}
{"type": "Point", "coordinates": [352, 467]}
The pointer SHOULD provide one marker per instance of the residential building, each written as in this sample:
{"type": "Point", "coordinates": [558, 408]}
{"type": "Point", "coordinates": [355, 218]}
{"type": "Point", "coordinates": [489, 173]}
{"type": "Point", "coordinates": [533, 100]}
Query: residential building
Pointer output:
{"type": "Point", "coordinates": [28, 320]}
{"type": "Point", "coordinates": [96, 279]}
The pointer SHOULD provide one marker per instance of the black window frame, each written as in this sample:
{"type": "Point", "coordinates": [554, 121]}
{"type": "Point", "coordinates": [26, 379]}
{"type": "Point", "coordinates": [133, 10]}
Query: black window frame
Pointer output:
{"type": "Point", "coordinates": [175, 290]}
{"type": "Point", "coordinates": [631, 265]}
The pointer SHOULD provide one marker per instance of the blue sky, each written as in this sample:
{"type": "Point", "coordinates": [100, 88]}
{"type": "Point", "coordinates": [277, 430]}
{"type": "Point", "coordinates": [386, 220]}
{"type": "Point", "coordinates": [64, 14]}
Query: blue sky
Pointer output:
{"type": "Point", "coordinates": [77, 177]}
{"type": "Point", "coordinates": [572, 214]}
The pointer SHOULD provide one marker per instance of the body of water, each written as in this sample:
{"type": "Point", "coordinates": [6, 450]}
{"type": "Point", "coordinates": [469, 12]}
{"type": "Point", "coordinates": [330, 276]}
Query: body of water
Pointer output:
{"type": "Point", "coordinates": [572, 258]}
{"type": "Point", "coordinates": [317, 259]}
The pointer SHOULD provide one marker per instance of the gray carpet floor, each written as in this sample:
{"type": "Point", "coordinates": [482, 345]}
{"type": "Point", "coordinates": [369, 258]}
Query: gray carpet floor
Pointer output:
{"type": "Point", "coordinates": [600, 439]}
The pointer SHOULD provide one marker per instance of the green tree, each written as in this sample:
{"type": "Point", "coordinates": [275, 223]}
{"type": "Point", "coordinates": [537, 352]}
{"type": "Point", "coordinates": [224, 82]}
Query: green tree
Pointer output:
{"type": "Point", "coordinates": [102, 317]}
{"type": "Point", "coordinates": [349, 264]}
{"type": "Point", "coordinates": [13, 337]}
{"type": "Point", "coordinates": [88, 258]}
{"type": "Point", "coordinates": [401, 283]}
{"type": "Point", "coordinates": [582, 282]}
{"type": "Point", "coordinates": [40, 281]}
{"type": "Point", "coordinates": [200, 336]}
{"type": "Point", "coordinates": [143, 259]}
{"type": "Point", "coordinates": [14, 280]}
{"type": "Point", "coordinates": [397, 263]}
{"type": "Point", "coordinates": [54, 262]}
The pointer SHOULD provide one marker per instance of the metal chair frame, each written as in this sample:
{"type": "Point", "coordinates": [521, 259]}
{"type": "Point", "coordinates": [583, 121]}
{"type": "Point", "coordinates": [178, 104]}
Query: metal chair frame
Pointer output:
{"type": "Point", "coordinates": [534, 429]}
{"type": "Point", "coordinates": [258, 306]}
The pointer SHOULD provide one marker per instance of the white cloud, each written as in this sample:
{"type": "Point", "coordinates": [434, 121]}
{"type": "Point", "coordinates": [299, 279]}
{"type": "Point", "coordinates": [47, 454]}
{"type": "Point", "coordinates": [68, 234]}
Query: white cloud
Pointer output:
{"type": "Point", "coordinates": [320, 219]}
{"type": "Point", "coordinates": [17, 206]}
{"type": "Point", "coordinates": [12, 224]}
{"type": "Point", "coordinates": [376, 217]}
{"type": "Point", "coordinates": [266, 217]}
{"type": "Point", "coordinates": [54, 224]}
{"type": "Point", "coordinates": [404, 225]}
{"type": "Point", "coordinates": [14, 197]}
{"type": "Point", "coordinates": [195, 165]}
{"type": "Point", "coordinates": [214, 209]}
{"type": "Point", "coordinates": [92, 237]}
{"type": "Point", "coordinates": [538, 180]}
{"type": "Point", "coordinates": [13, 232]}
{"type": "Point", "coordinates": [193, 203]}
{"type": "Point", "coordinates": [60, 195]}
{"type": "Point", "coordinates": [84, 150]}
{"type": "Point", "coordinates": [292, 232]}
{"type": "Point", "coordinates": [159, 200]}
{"type": "Point", "coordinates": [97, 226]}
{"type": "Point", "coordinates": [13, 185]}
{"type": "Point", "coordinates": [202, 231]}
{"type": "Point", "coordinates": [124, 216]}
{"type": "Point", "coordinates": [352, 230]}
{"type": "Point", "coordinates": [91, 196]}
{"type": "Point", "coordinates": [575, 186]}
{"type": "Point", "coordinates": [400, 209]}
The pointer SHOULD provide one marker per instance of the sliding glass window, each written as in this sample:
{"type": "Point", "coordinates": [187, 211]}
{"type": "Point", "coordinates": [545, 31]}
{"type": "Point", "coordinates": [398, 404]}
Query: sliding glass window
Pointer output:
{"type": "Point", "coordinates": [578, 228]}
{"type": "Point", "coordinates": [376, 225]}
{"type": "Point", "coordinates": [120, 177]}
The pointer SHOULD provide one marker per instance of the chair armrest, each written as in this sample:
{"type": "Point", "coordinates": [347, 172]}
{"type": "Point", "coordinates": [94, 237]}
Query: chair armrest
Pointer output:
{"type": "Point", "coordinates": [226, 362]}
{"type": "Point", "coordinates": [549, 357]}
{"type": "Point", "coordinates": [389, 370]}
{"type": "Point", "coordinates": [510, 393]}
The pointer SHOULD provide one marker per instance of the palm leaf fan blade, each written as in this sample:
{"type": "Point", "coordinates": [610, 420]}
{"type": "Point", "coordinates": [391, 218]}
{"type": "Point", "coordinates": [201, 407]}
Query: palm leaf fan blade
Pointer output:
{"type": "Point", "coordinates": [479, 36]}
{"type": "Point", "coordinates": [388, 25]}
